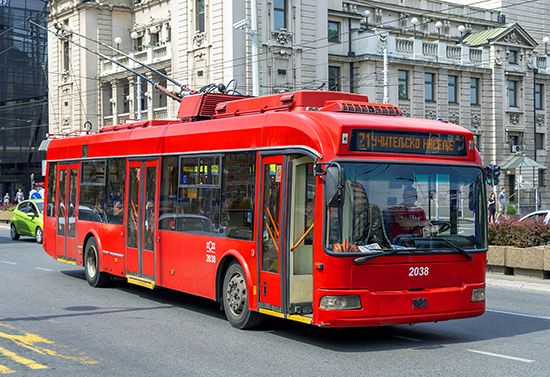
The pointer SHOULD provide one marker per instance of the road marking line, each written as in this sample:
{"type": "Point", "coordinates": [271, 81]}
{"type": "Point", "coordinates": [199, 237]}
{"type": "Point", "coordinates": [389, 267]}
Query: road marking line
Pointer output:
{"type": "Point", "coordinates": [5, 370]}
{"type": "Point", "coordinates": [502, 356]}
{"type": "Point", "coordinates": [21, 360]}
{"type": "Point", "coordinates": [29, 341]}
{"type": "Point", "coordinates": [518, 314]}
{"type": "Point", "coordinates": [6, 262]}
{"type": "Point", "coordinates": [42, 269]}
{"type": "Point", "coordinates": [406, 338]}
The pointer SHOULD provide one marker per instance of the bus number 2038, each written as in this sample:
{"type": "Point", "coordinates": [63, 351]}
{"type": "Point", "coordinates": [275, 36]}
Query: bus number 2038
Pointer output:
{"type": "Point", "coordinates": [419, 271]}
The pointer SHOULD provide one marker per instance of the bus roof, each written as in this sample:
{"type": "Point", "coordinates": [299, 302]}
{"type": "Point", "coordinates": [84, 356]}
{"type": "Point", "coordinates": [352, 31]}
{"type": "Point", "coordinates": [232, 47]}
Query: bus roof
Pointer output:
{"type": "Point", "coordinates": [242, 125]}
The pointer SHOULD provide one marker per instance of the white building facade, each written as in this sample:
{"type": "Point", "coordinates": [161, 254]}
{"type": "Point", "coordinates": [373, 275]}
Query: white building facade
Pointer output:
{"type": "Point", "coordinates": [443, 60]}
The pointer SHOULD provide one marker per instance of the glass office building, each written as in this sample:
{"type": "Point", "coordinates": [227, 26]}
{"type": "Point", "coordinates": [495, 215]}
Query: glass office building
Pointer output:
{"type": "Point", "coordinates": [23, 93]}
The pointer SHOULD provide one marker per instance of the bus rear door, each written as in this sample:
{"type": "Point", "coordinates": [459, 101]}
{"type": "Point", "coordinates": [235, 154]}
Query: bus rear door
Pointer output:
{"type": "Point", "coordinates": [67, 179]}
{"type": "Point", "coordinates": [272, 239]}
{"type": "Point", "coordinates": [141, 221]}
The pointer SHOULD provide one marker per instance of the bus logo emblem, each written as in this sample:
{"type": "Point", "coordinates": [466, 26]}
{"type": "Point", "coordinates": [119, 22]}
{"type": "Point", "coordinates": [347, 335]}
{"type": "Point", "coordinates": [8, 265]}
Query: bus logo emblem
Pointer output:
{"type": "Point", "coordinates": [211, 247]}
{"type": "Point", "coordinates": [420, 303]}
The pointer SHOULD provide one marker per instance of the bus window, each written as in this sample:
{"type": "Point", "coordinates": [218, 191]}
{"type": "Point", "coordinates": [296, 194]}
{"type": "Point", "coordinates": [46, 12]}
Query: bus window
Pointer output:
{"type": "Point", "coordinates": [52, 175]}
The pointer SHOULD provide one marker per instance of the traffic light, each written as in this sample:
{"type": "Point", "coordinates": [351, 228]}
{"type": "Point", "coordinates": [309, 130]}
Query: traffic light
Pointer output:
{"type": "Point", "coordinates": [489, 174]}
{"type": "Point", "coordinates": [496, 174]}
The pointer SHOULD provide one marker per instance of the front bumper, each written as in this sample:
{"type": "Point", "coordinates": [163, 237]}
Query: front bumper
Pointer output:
{"type": "Point", "coordinates": [379, 308]}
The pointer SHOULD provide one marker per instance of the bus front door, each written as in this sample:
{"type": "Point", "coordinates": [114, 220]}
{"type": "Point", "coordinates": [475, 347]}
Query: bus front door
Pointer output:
{"type": "Point", "coordinates": [67, 179]}
{"type": "Point", "coordinates": [141, 221]}
{"type": "Point", "coordinates": [272, 239]}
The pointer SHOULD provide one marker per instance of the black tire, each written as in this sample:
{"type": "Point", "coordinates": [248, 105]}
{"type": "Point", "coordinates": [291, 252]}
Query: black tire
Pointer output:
{"type": "Point", "coordinates": [13, 232]}
{"type": "Point", "coordinates": [94, 276]}
{"type": "Point", "coordinates": [235, 299]}
{"type": "Point", "coordinates": [39, 235]}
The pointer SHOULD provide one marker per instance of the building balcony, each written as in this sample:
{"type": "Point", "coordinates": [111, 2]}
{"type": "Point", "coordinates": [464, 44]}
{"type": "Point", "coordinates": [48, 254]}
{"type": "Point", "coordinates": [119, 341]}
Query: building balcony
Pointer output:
{"type": "Point", "coordinates": [445, 52]}
{"type": "Point", "coordinates": [149, 56]}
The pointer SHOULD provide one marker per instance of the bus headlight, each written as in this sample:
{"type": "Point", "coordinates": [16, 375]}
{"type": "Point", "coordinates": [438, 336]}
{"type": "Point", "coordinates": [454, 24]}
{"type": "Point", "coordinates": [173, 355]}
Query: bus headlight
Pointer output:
{"type": "Point", "coordinates": [478, 294]}
{"type": "Point", "coordinates": [340, 302]}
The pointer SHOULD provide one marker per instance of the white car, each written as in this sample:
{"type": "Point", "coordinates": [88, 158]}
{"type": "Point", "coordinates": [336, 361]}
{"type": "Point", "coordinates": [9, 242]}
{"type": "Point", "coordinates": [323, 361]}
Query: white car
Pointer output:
{"type": "Point", "coordinates": [543, 216]}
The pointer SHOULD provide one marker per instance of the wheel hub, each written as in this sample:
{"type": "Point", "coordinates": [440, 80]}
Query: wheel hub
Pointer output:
{"type": "Point", "coordinates": [91, 262]}
{"type": "Point", "coordinates": [236, 294]}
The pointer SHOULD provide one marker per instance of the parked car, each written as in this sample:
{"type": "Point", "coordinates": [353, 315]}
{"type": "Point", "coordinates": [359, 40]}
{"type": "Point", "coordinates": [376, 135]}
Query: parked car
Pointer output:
{"type": "Point", "coordinates": [543, 216]}
{"type": "Point", "coordinates": [27, 220]}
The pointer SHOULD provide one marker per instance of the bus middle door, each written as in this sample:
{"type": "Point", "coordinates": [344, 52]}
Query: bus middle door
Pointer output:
{"type": "Point", "coordinates": [67, 179]}
{"type": "Point", "coordinates": [273, 238]}
{"type": "Point", "coordinates": [141, 222]}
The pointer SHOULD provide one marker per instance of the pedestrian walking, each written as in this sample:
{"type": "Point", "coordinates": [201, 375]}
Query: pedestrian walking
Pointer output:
{"type": "Point", "coordinates": [492, 207]}
{"type": "Point", "coordinates": [19, 197]}
{"type": "Point", "coordinates": [502, 204]}
{"type": "Point", "coordinates": [7, 199]}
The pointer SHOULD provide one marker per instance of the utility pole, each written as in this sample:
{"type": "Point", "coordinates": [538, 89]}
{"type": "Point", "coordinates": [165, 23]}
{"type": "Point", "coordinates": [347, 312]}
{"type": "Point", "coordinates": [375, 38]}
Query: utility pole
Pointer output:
{"type": "Point", "coordinates": [386, 89]}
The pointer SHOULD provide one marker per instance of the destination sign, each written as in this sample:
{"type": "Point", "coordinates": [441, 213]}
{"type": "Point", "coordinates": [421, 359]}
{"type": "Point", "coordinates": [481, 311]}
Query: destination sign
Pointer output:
{"type": "Point", "coordinates": [408, 142]}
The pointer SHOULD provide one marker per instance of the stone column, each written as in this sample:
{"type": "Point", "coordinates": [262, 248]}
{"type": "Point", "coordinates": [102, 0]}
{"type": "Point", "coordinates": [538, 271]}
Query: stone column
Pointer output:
{"type": "Point", "coordinates": [114, 97]}
{"type": "Point", "coordinates": [131, 93]}
{"type": "Point", "coordinates": [150, 91]}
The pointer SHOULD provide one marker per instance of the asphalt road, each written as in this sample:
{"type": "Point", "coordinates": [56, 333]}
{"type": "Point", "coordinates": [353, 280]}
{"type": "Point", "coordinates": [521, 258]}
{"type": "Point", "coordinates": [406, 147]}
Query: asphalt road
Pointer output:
{"type": "Point", "coordinates": [53, 324]}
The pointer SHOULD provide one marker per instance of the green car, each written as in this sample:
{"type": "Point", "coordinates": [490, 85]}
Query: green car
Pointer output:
{"type": "Point", "coordinates": [27, 220]}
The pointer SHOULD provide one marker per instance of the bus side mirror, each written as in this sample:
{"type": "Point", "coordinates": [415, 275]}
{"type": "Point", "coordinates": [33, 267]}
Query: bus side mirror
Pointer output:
{"type": "Point", "coordinates": [334, 185]}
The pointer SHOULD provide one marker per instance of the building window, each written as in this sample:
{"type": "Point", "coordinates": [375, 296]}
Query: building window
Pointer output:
{"type": "Point", "coordinates": [453, 89]}
{"type": "Point", "coordinates": [429, 87]}
{"type": "Point", "coordinates": [474, 91]}
{"type": "Point", "coordinates": [512, 93]}
{"type": "Point", "coordinates": [403, 84]}
{"type": "Point", "coordinates": [279, 14]}
{"type": "Point", "coordinates": [199, 20]}
{"type": "Point", "coordinates": [539, 141]}
{"type": "Point", "coordinates": [334, 78]}
{"type": "Point", "coordinates": [154, 39]}
{"type": "Point", "coordinates": [333, 31]}
{"type": "Point", "coordinates": [538, 96]}
{"type": "Point", "coordinates": [513, 57]}
{"type": "Point", "coordinates": [542, 183]}
{"type": "Point", "coordinates": [515, 139]}
{"type": "Point", "coordinates": [65, 53]}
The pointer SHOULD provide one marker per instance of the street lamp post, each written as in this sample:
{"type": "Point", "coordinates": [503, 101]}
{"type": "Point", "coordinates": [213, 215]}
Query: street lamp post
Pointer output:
{"type": "Point", "coordinates": [438, 26]}
{"type": "Point", "coordinates": [118, 41]}
{"type": "Point", "coordinates": [461, 29]}
{"type": "Point", "coordinates": [415, 22]}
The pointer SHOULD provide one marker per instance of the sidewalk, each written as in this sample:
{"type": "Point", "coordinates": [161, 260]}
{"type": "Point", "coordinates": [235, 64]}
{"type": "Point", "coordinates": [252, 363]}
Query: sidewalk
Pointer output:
{"type": "Point", "coordinates": [517, 282]}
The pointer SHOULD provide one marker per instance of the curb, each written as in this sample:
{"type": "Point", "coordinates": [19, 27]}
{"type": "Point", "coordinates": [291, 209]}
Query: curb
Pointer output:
{"type": "Point", "coordinates": [516, 283]}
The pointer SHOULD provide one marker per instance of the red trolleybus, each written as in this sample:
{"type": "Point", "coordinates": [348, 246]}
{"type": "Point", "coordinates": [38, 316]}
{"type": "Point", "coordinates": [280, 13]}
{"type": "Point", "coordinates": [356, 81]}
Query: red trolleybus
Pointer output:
{"type": "Point", "coordinates": [318, 207]}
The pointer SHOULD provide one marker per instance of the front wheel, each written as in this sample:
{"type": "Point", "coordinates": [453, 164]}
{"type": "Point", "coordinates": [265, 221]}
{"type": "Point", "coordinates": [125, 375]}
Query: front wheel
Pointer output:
{"type": "Point", "coordinates": [13, 233]}
{"type": "Point", "coordinates": [94, 276]}
{"type": "Point", "coordinates": [39, 235]}
{"type": "Point", "coordinates": [235, 299]}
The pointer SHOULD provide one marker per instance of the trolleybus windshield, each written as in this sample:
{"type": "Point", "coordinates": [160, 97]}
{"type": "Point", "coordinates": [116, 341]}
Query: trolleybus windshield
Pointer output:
{"type": "Point", "coordinates": [388, 207]}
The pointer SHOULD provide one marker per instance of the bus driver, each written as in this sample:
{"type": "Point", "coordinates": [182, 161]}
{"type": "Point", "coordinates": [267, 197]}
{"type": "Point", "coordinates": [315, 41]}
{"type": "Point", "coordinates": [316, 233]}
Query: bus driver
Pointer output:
{"type": "Point", "coordinates": [407, 217]}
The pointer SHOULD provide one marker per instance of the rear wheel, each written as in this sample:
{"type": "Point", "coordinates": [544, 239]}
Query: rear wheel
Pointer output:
{"type": "Point", "coordinates": [235, 299]}
{"type": "Point", "coordinates": [39, 235]}
{"type": "Point", "coordinates": [13, 232]}
{"type": "Point", "coordinates": [94, 276]}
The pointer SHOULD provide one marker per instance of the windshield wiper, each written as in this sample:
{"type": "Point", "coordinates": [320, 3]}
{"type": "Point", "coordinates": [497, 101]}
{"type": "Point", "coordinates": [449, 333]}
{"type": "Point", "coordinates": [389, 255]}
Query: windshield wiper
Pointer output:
{"type": "Point", "coordinates": [457, 248]}
{"type": "Point", "coordinates": [380, 254]}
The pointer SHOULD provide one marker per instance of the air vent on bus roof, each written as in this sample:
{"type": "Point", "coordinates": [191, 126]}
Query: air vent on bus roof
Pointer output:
{"type": "Point", "coordinates": [343, 106]}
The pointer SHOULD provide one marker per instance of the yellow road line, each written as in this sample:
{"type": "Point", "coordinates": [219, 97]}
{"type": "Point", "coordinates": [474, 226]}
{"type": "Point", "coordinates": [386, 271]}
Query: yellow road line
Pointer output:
{"type": "Point", "coordinates": [28, 340]}
{"type": "Point", "coordinates": [21, 360]}
{"type": "Point", "coordinates": [5, 370]}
